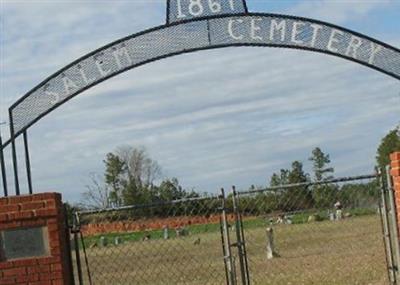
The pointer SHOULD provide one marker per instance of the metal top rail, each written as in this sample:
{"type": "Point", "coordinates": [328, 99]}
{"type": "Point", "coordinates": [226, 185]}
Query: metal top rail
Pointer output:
{"type": "Point", "coordinates": [143, 206]}
{"type": "Point", "coordinates": [308, 184]}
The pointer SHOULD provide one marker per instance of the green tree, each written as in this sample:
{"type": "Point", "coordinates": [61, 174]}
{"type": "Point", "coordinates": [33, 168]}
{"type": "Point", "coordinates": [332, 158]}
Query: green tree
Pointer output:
{"type": "Point", "coordinates": [320, 162]}
{"type": "Point", "coordinates": [390, 143]}
{"type": "Point", "coordinates": [324, 195]}
{"type": "Point", "coordinates": [114, 177]}
{"type": "Point", "coordinates": [139, 174]}
{"type": "Point", "coordinates": [299, 197]}
{"type": "Point", "coordinates": [170, 189]}
{"type": "Point", "coordinates": [297, 174]}
{"type": "Point", "coordinates": [280, 179]}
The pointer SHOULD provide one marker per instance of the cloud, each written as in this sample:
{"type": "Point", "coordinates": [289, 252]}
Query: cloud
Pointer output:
{"type": "Point", "coordinates": [212, 118]}
{"type": "Point", "coordinates": [338, 11]}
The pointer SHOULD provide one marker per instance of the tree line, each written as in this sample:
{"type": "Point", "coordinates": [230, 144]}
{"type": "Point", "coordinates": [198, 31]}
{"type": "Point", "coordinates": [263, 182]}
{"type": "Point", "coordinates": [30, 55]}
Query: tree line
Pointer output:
{"type": "Point", "coordinates": [130, 179]}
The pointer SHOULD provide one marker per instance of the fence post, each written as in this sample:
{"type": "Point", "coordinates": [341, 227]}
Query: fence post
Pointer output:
{"type": "Point", "coordinates": [75, 232]}
{"type": "Point", "coordinates": [384, 209]}
{"type": "Point", "coordinates": [3, 168]}
{"type": "Point", "coordinates": [240, 239]}
{"type": "Point", "coordinates": [226, 244]}
{"type": "Point", "coordinates": [271, 253]}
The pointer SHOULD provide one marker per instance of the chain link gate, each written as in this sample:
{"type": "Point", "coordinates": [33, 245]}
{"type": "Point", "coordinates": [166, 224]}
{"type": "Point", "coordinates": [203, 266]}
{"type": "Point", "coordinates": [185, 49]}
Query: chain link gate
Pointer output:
{"type": "Point", "coordinates": [281, 237]}
{"type": "Point", "coordinates": [390, 228]}
{"type": "Point", "coordinates": [177, 242]}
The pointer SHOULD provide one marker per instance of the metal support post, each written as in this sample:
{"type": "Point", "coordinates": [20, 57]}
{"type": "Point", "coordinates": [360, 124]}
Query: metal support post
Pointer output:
{"type": "Point", "coordinates": [227, 244]}
{"type": "Point", "coordinates": [393, 224]}
{"type": "Point", "coordinates": [3, 168]}
{"type": "Point", "coordinates": [14, 155]}
{"type": "Point", "coordinates": [240, 240]}
{"type": "Point", "coordinates": [75, 231]}
{"type": "Point", "coordinates": [386, 232]}
{"type": "Point", "coordinates": [27, 163]}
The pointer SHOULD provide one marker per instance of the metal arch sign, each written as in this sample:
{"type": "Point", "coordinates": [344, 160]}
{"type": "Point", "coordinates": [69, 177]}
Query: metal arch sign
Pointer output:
{"type": "Point", "coordinates": [197, 25]}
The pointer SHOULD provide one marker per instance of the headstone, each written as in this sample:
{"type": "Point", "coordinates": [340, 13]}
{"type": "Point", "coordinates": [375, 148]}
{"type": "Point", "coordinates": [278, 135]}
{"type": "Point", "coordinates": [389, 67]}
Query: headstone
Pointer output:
{"type": "Point", "coordinates": [271, 253]}
{"type": "Point", "coordinates": [312, 219]}
{"type": "Point", "coordinates": [181, 232]}
{"type": "Point", "coordinates": [331, 216]}
{"type": "Point", "coordinates": [103, 242]}
{"type": "Point", "coordinates": [117, 241]}
{"type": "Point", "coordinates": [165, 232]}
{"type": "Point", "coordinates": [339, 215]}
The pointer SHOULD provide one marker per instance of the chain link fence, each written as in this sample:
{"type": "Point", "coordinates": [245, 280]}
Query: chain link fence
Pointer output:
{"type": "Point", "coordinates": [314, 233]}
{"type": "Point", "coordinates": [306, 233]}
{"type": "Point", "coordinates": [166, 243]}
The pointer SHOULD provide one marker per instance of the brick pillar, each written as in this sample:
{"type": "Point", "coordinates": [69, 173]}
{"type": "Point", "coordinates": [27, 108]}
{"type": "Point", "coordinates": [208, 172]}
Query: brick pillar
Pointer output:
{"type": "Point", "coordinates": [39, 213]}
{"type": "Point", "coordinates": [395, 173]}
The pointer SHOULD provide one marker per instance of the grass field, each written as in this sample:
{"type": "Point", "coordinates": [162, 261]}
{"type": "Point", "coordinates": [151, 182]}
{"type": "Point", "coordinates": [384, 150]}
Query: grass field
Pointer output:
{"type": "Point", "coordinates": [345, 252]}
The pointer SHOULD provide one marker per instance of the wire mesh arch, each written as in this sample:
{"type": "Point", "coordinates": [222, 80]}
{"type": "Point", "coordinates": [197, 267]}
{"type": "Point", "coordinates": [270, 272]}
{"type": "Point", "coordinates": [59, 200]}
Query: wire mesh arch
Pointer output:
{"type": "Point", "coordinates": [250, 29]}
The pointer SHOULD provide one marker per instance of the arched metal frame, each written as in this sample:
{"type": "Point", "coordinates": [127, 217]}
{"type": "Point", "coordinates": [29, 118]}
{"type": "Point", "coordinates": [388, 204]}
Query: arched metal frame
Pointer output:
{"type": "Point", "coordinates": [30, 108]}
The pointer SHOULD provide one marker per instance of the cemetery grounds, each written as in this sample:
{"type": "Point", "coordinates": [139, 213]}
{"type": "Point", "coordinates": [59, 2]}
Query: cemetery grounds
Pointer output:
{"type": "Point", "coordinates": [350, 251]}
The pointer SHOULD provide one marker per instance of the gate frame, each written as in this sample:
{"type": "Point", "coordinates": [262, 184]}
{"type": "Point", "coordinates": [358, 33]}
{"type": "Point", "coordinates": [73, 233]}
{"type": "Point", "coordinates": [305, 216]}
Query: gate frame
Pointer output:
{"type": "Point", "coordinates": [387, 213]}
{"type": "Point", "coordinates": [393, 230]}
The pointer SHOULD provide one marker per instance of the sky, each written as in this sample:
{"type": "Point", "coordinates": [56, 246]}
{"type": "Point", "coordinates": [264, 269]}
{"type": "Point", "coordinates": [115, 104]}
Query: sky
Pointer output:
{"type": "Point", "coordinates": [213, 118]}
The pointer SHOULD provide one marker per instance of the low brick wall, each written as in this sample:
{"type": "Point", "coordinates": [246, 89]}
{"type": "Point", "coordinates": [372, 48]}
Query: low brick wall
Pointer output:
{"type": "Point", "coordinates": [37, 210]}
{"type": "Point", "coordinates": [149, 224]}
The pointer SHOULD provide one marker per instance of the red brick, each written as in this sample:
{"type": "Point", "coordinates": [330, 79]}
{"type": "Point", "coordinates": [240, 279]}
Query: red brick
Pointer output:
{"type": "Point", "coordinates": [3, 201]}
{"type": "Point", "coordinates": [10, 224]}
{"type": "Point", "coordinates": [28, 278]}
{"type": "Point", "coordinates": [33, 205]}
{"type": "Point", "coordinates": [45, 276]}
{"type": "Point", "coordinates": [49, 260]}
{"type": "Point", "coordinates": [20, 215]}
{"type": "Point", "coordinates": [52, 221]}
{"type": "Point", "coordinates": [51, 204]}
{"type": "Point", "coordinates": [46, 212]}
{"type": "Point", "coordinates": [5, 265]}
{"type": "Point", "coordinates": [57, 282]}
{"type": "Point", "coordinates": [44, 282]}
{"type": "Point", "coordinates": [35, 210]}
{"type": "Point", "coordinates": [54, 235]}
{"type": "Point", "coordinates": [56, 275]}
{"type": "Point", "coordinates": [19, 199]}
{"type": "Point", "coordinates": [44, 268]}
{"type": "Point", "coordinates": [56, 267]}
{"type": "Point", "coordinates": [3, 217]}
{"type": "Point", "coordinates": [33, 223]}
{"type": "Point", "coordinates": [25, 262]}
{"type": "Point", "coordinates": [54, 242]}
{"type": "Point", "coordinates": [7, 281]}
{"type": "Point", "coordinates": [52, 227]}
{"type": "Point", "coordinates": [9, 208]}
{"type": "Point", "coordinates": [46, 196]}
{"type": "Point", "coordinates": [14, 271]}
{"type": "Point", "coordinates": [395, 172]}
{"type": "Point", "coordinates": [55, 250]}
{"type": "Point", "coordinates": [33, 269]}
{"type": "Point", "coordinates": [395, 156]}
